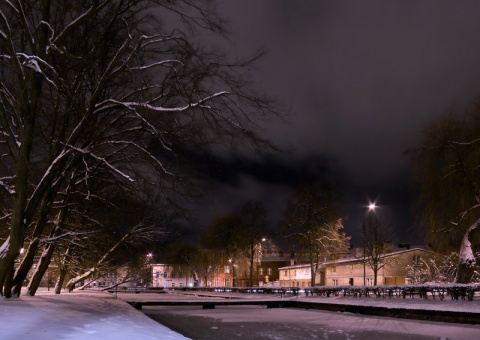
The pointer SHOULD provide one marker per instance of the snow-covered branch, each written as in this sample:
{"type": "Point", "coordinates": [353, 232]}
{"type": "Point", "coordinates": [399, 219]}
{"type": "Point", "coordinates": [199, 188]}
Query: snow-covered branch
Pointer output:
{"type": "Point", "coordinates": [68, 234]}
{"type": "Point", "coordinates": [110, 103]}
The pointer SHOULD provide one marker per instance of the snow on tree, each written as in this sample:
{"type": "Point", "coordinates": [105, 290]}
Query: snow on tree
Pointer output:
{"type": "Point", "coordinates": [312, 226]}
{"type": "Point", "coordinates": [437, 269]}
{"type": "Point", "coordinates": [97, 87]}
{"type": "Point", "coordinates": [447, 169]}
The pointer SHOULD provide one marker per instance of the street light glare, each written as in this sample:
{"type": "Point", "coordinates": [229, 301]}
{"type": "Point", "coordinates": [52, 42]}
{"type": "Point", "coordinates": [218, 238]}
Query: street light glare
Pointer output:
{"type": "Point", "coordinates": [371, 206]}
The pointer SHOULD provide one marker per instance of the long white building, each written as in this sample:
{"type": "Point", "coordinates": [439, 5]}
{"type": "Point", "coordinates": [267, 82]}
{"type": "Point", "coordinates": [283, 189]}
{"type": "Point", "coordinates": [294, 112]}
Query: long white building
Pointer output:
{"type": "Point", "coordinates": [163, 275]}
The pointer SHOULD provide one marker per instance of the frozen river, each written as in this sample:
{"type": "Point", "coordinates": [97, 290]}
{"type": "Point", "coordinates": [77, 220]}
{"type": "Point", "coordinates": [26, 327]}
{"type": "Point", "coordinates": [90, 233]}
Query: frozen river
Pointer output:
{"type": "Point", "coordinates": [257, 322]}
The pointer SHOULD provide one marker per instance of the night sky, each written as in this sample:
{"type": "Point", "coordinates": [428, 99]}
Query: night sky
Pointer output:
{"type": "Point", "coordinates": [361, 79]}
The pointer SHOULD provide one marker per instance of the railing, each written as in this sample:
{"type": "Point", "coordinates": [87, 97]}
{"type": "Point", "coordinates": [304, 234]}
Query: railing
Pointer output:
{"type": "Point", "coordinates": [440, 291]}
{"type": "Point", "coordinates": [455, 291]}
{"type": "Point", "coordinates": [136, 290]}
{"type": "Point", "coordinates": [250, 290]}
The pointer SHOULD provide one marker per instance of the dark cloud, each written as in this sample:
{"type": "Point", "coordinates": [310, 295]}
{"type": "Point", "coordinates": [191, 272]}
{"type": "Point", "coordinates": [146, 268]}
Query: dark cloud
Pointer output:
{"type": "Point", "coordinates": [363, 78]}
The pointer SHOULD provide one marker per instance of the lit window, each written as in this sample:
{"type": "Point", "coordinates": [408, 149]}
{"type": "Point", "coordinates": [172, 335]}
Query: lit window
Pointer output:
{"type": "Point", "coordinates": [227, 269]}
{"type": "Point", "coordinates": [269, 271]}
{"type": "Point", "coordinates": [335, 282]}
{"type": "Point", "coordinates": [217, 282]}
{"type": "Point", "coordinates": [260, 271]}
{"type": "Point", "coordinates": [217, 269]}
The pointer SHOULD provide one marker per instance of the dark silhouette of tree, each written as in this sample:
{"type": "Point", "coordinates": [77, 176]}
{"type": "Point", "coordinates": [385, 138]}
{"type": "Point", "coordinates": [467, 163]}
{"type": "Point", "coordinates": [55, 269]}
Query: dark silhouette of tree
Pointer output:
{"type": "Point", "coordinates": [312, 226]}
{"type": "Point", "coordinates": [447, 171]}
{"type": "Point", "coordinates": [378, 238]}
{"type": "Point", "coordinates": [97, 92]}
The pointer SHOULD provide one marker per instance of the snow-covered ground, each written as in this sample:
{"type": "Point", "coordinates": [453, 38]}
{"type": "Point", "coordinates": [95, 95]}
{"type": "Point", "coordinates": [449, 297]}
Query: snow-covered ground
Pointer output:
{"type": "Point", "coordinates": [98, 315]}
{"type": "Point", "coordinates": [76, 316]}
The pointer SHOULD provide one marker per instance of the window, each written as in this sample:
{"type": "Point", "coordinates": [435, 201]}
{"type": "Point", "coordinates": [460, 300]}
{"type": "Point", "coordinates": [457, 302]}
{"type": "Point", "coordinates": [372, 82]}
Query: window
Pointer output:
{"type": "Point", "coordinates": [173, 284]}
{"type": "Point", "coordinates": [269, 271]}
{"type": "Point", "coordinates": [227, 269]}
{"type": "Point", "coordinates": [157, 275]}
{"type": "Point", "coordinates": [181, 284]}
{"type": "Point", "coordinates": [260, 271]}
{"type": "Point", "coordinates": [335, 282]}
{"type": "Point", "coordinates": [227, 282]}
{"type": "Point", "coordinates": [217, 282]}
{"type": "Point", "coordinates": [285, 273]}
{"type": "Point", "coordinates": [334, 269]}
{"type": "Point", "coordinates": [217, 269]}
{"type": "Point", "coordinates": [369, 281]}
{"type": "Point", "coordinates": [165, 275]}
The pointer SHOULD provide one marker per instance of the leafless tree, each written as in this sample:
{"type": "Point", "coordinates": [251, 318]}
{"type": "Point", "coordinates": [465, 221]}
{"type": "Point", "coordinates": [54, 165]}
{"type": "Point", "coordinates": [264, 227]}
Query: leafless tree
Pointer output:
{"type": "Point", "coordinates": [447, 172]}
{"type": "Point", "coordinates": [378, 237]}
{"type": "Point", "coordinates": [254, 217]}
{"type": "Point", "coordinates": [312, 226]}
{"type": "Point", "coordinates": [98, 84]}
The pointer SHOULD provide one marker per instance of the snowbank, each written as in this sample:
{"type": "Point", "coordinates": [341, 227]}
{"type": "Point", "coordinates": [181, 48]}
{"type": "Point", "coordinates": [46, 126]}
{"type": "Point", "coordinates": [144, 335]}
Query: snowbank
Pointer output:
{"type": "Point", "coordinates": [76, 316]}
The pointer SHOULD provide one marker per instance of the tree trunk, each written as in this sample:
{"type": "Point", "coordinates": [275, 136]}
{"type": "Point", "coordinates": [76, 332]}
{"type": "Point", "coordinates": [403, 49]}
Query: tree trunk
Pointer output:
{"type": "Point", "coordinates": [252, 253]}
{"type": "Point", "coordinates": [72, 282]}
{"type": "Point", "coordinates": [42, 267]}
{"type": "Point", "coordinates": [62, 274]}
{"type": "Point", "coordinates": [25, 267]}
{"type": "Point", "coordinates": [27, 261]}
{"type": "Point", "coordinates": [312, 269]}
{"type": "Point", "coordinates": [466, 263]}
{"type": "Point", "coordinates": [27, 110]}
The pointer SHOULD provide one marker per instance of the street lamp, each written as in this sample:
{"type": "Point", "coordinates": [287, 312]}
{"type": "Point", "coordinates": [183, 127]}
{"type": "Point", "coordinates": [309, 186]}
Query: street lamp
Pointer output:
{"type": "Point", "coordinates": [371, 207]}
{"type": "Point", "coordinates": [148, 271]}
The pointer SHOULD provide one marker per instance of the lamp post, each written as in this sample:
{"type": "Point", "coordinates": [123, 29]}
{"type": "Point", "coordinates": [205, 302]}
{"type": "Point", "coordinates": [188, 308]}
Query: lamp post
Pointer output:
{"type": "Point", "coordinates": [370, 207]}
{"type": "Point", "coordinates": [148, 271]}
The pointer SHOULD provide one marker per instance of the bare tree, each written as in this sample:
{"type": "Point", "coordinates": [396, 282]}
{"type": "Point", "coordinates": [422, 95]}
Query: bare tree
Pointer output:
{"type": "Point", "coordinates": [447, 171]}
{"type": "Point", "coordinates": [254, 216]}
{"type": "Point", "coordinates": [228, 232]}
{"type": "Point", "coordinates": [312, 226]}
{"type": "Point", "coordinates": [378, 238]}
{"type": "Point", "coordinates": [98, 84]}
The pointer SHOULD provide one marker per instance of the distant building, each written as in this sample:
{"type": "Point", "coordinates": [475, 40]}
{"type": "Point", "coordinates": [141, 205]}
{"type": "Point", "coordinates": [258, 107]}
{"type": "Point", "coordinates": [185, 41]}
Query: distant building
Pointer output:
{"type": "Point", "coordinates": [352, 271]}
{"type": "Point", "coordinates": [298, 275]}
{"type": "Point", "coordinates": [165, 275]}
{"type": "Point", "coordinates": [265, 271]}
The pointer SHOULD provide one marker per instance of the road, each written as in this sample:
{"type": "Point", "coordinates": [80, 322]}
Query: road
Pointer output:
{"type": "Point", "coordinates": [257, 322]}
